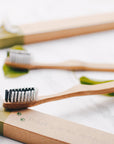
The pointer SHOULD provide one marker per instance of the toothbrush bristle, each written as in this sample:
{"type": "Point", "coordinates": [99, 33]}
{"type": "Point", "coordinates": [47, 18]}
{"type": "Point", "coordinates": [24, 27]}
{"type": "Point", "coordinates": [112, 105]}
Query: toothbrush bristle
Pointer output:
{"type": "Point", "coordinates": [19, 56]}
{"type": "Point", "coordinates": [21, 95]}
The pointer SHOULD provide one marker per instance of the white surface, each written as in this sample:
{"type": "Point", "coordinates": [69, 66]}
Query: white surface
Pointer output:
{"type": "Point", "coordinates": [95, 111]}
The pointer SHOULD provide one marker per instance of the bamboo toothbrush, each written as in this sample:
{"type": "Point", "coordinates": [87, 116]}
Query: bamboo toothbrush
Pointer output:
{"type": "Point", "coordinates": [44, 31]}
{"type": "Point", "coordinates": [22, 60]}
{"type": "Point", "coordinates": [28, 97]}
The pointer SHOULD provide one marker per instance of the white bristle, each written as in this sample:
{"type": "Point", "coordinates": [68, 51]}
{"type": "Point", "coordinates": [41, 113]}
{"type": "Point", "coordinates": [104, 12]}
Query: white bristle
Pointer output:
{"type": "Point", "coordinates": [19, 97]}
{"type": "Point", "coordinates": [12, 98]}
{"type": "Point", "coordinates": [26, 97]}
{"type": "Point", "coordinates": [19, 56]}
{"type": "Point", "coordinates": [29, 95]}
{"type": "Point", "coordinates": [31, 98]}
{"type": "Point", "coordinates": [15, 96]}
{"type": "Point", "coordinates": [35, 94]}
{"type": "Point", "coordinates": [23, 96]}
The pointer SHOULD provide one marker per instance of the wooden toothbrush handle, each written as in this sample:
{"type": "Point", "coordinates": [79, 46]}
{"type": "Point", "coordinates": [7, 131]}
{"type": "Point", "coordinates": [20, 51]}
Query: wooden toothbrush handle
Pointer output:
{"type": "Point", "coordinates": [76, 65]}
{"type": "Point", "coordinates": [66, 65]}
{"type": "Point", "coordinates": [80, 90]}
{"type": "Point", "coordinates": [99, 67]}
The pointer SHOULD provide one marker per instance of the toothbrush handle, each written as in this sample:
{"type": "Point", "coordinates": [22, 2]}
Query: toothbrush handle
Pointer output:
{"type": "Point", "coordinates": [67, 65]}
{"type": "Point", "coordinates": [76, 65]}
{"type": "Point", "coordinates": [80, 90]}
{"type": "Point", "coordinates": [95, 67]}
{"type": "Point", "coordinates": [99, 67]}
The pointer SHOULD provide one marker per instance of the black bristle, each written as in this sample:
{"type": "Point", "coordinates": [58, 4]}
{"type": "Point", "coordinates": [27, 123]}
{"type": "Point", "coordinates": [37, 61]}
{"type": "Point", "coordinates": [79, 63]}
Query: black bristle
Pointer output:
{"type": "Point", "coordinates": [6, 95]}
{"type": "Point", "coordinates": [20, 91]}
{"type": "Point", "coordinates": [26, 89]}
{"type": "Point", "coordinates": [17, 95]}
{"type": "Point", "coordinates": [10, 95]}
{"type": "Point", "coordinates": [13, 95]}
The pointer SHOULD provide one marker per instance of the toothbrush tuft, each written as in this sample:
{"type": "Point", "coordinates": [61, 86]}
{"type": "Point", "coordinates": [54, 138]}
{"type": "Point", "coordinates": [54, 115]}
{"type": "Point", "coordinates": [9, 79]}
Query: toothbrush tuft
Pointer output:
{"type": "Point", "coordinates": [19, 56]}
{"type": "Point", "coordinates": [21, 95]}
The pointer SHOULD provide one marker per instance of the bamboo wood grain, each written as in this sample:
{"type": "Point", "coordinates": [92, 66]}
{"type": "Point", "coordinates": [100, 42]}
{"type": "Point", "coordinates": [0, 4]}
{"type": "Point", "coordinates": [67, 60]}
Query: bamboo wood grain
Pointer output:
{"type": "Point", "coordinates": [67, 65]}
{"type": "Point", "coordinates": [80, 90]}
{"type": "Point", "coordinates": [44, 31]}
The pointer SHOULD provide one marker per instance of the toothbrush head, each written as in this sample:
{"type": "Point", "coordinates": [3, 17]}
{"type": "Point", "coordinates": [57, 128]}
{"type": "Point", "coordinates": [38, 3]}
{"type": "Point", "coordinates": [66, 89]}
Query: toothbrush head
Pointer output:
{"type": "Point", "coordinates": [20, 98]}
{"type": "Point", "coordinates": [19, 56]}
{"type": "Point", "coordinates": [18, 59]}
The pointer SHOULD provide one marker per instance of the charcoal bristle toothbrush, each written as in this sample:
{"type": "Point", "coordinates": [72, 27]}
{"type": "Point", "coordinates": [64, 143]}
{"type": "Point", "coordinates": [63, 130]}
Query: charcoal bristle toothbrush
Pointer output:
{"type": "Point", "coordinates": [23, 60]}
{"type": "Point", "coordinates": [28, 97]}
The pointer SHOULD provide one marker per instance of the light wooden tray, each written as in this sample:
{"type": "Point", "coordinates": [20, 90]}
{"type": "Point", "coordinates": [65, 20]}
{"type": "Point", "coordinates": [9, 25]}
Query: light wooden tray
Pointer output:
{"type": "Point", "coordinates": [44, 31]}
{"type": "Point", "coordinates": [50, 30]}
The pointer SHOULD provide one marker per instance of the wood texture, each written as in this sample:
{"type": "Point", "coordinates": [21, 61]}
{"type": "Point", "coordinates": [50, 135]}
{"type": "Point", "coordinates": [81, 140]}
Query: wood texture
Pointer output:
{"type": "Point", "coordinates": [67, 65]}
{"type": "Point", "coordinates": [40, 128]}
{"type": "Point", "coordinates": [79, 90]}
{"type": "Point", "coordinates": [44, 31]}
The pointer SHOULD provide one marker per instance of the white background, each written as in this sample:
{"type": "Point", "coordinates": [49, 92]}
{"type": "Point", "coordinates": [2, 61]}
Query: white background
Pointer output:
{"type": "Point", "coordinates": [95, 111]}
